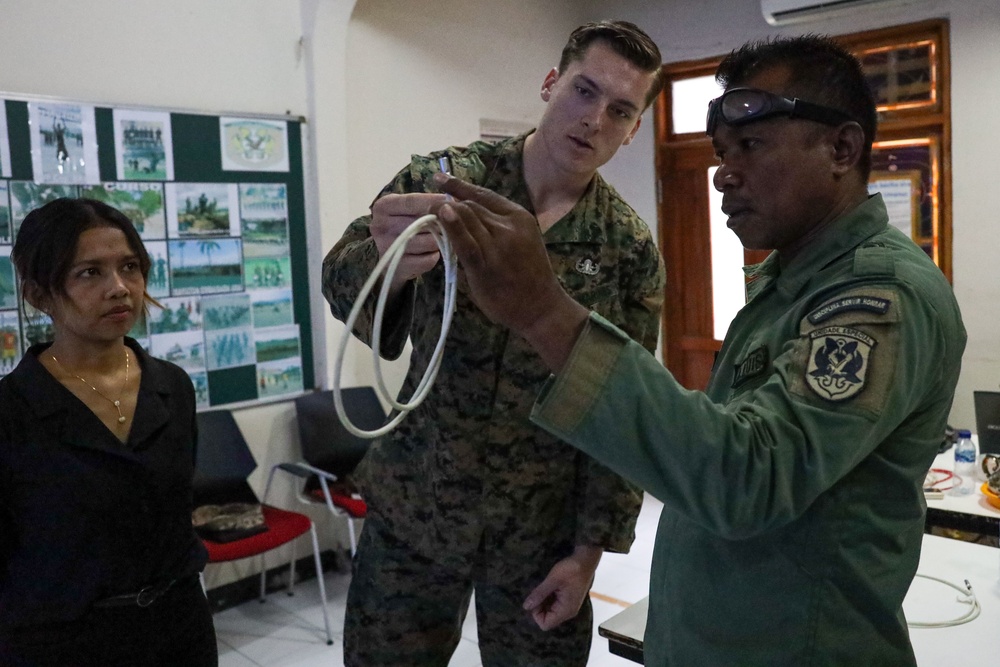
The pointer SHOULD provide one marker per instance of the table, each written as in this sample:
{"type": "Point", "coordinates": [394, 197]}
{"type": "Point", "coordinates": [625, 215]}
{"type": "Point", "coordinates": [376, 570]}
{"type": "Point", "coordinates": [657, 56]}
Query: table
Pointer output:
{"type": "Point", "coordinates": [969, 513]}
{"type": "Point", "coordinates": [927, 601]}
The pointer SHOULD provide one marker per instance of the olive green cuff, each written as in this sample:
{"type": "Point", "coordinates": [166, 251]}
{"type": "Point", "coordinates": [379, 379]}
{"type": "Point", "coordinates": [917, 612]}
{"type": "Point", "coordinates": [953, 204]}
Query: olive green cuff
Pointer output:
{"type": "Point", "coordinates": [567, 397]}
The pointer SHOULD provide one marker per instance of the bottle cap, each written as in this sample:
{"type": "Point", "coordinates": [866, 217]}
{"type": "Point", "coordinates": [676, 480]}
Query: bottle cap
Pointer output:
{"type": "Point", "coordinates": [965, 433]}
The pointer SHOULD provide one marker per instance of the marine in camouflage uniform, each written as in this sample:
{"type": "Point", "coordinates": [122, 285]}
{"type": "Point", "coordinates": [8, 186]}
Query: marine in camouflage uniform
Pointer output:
{"type": "Point", "coordinates": [466, 489]}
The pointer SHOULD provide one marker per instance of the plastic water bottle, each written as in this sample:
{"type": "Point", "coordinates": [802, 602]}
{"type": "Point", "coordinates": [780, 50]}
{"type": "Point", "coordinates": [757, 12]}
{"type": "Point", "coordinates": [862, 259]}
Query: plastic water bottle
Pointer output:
{"type": "Point", "coordinates": [965, 463]}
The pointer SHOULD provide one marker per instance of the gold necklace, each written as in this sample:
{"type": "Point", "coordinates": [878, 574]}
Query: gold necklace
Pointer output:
{"type": "Point", "coordinates": [118, 403]}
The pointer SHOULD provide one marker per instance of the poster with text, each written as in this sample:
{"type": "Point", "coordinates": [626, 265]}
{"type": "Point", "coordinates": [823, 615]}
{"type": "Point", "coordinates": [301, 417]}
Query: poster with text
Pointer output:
{"type": "Point", "coordinates": [253, 145]}
{"type": "Point", "coordinates": [63, 143]}
{"type": "Point", "coordinates": [142, 203]}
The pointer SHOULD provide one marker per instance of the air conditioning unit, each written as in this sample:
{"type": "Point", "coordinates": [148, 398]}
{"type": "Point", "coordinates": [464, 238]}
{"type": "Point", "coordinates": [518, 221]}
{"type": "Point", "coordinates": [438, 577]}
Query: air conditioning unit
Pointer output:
{"type": "Point", "coordinates": [787, 12]}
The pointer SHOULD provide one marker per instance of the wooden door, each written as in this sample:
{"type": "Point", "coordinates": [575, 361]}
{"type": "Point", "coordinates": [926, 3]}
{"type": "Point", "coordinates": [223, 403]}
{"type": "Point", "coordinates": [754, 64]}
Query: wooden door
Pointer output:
{"type": "Point", "coordinates": [915, 114]}
{"type": "Point", "coordinates": [689, 344]}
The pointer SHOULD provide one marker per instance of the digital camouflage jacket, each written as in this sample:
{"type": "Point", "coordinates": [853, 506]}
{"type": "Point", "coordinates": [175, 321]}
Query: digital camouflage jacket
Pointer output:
{"type": "Point", "coordinates": [467, 469]}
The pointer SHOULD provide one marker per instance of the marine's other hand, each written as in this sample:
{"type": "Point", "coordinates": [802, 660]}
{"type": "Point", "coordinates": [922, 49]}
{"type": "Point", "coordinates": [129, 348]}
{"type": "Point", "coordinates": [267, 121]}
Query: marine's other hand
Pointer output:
{"type": "Point", "coordinates": [393, 213]}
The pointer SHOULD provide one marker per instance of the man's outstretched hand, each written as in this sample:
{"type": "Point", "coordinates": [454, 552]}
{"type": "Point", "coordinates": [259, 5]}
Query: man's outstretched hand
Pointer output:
{"type": "Point", "coordinates": [503, 257]}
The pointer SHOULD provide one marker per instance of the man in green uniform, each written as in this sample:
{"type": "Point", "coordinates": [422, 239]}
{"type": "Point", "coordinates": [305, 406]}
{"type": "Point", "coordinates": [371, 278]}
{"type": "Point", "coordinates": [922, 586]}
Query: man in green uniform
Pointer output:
{"type": "Point", "coordinates": [793, 509]}
{"type": "Point", "coordinates": [466, 493]}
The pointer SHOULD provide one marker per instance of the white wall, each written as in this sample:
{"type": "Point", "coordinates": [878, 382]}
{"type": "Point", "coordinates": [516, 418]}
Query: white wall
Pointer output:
{"type": "Point", "coordinates": [223, 55]}
{"type": "Point", "coordinates": [692, 29]}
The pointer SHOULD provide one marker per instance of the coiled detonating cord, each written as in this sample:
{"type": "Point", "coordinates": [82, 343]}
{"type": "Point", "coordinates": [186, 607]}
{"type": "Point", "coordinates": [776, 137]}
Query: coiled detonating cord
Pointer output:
{"type": "Point", "coordinates": [388, 264]}
{"type": "Point", "coordinates": [967, 596]}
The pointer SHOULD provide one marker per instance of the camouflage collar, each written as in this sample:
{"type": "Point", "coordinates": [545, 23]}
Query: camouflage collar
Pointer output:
{"type": "Point", "coordinates": [583, 224]}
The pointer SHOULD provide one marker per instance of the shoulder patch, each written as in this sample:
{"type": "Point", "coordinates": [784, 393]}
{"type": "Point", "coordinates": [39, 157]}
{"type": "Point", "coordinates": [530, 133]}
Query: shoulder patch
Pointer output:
{"type": "Point", "coordinates": [874, 259]}
{"type": "Point", "coordinates": [838, 361]}
{"type": "Point", "coordinates": [872, 304]}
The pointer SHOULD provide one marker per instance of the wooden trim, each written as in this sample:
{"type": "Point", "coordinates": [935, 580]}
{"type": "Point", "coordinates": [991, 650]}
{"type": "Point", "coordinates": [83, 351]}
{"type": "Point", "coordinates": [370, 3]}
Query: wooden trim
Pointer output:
{"type": "Point", "coordinates": [685, 342]}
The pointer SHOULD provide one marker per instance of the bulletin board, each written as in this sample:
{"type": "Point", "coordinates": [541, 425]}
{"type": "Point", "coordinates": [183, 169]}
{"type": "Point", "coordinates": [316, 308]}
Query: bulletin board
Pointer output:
{"type": "Point", "coordinates": [219, 202]}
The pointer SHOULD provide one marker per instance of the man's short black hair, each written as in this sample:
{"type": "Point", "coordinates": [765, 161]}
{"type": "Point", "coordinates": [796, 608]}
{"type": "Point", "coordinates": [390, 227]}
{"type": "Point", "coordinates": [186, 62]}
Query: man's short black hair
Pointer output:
{"type": "Point", "coordinates": [822, 72]}
{"type": "Point", "coordinates": [627, 40]}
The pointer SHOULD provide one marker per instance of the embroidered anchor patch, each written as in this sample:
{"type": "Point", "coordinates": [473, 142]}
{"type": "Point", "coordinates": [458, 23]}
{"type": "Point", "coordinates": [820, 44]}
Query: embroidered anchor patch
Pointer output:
{"type": "Point", "coordinates": [838, 362]}
{"type": "Point", "coordinates": [588, 267]}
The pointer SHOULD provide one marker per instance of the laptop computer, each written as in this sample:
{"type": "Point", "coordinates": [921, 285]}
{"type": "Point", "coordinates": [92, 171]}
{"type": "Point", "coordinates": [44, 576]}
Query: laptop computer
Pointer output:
{"type": "Point", "coordinates": [987, 405]}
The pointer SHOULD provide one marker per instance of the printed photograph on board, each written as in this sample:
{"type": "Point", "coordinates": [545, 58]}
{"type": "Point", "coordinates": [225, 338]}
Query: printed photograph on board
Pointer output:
{"type": "Point", "coordinates": [63, 143]}
{"type": "Point", "coordinates": [143, 145]}
{"type": "Point", "coordinates": [205, 266]}
{"type": "Point", "coordinates": [26, 196]}
{"type": "Point", "coordinates": [184, 348]}
{"type": "Point", "coordinates": [140, 331]}
{"type": "Point", "coordinates": [142, 203]}
{"type": "Point", "coordinates": [229, 347]}
{"type": "Point", "coordinates": [230, 311]}
{"type": "Point", "coordinates": [6, 222]}
{"type": "Point", "coordinates": [265, 272]}
{"type": "Point", "coordinates": [277, 343]}
{"type": "Point", "coordinates": [4, 142]}
{"type": "Point", "coordinates": [202, 209]}
{"type": "Point", "coordinates": [158, 283]}
{"type": "Point", "coordinates": [10, 340]}
{"type": "Point", "coordinates": [272, 307]}
{"type": "Point", "coordinates": [178, 314]}
{"type": "Point", "coordinates": [253, 144]}
{"type": "Point", "coordinates": [200, 382]}
{"type": "Point", "coordinates": [8, 282]}
{"type": "Point", "coordinates": [277, 378]}
{"type": "Point", "coordinates": [264, 219]}
{"type": "Point", "coordinates": [36, 327]}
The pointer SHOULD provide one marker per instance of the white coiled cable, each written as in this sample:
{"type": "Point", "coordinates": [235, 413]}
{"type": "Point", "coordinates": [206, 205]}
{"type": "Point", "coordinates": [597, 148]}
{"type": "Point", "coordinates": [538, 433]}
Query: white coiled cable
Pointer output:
{"type": "Point", "coordinates": [968, 596]}
{"type": "Point", "coordinates": [387, 264]}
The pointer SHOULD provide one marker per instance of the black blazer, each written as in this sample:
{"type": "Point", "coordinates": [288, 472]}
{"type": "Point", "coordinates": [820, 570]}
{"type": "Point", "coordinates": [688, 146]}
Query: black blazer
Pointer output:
{"type": "Point", "coordinates": [83, 516]}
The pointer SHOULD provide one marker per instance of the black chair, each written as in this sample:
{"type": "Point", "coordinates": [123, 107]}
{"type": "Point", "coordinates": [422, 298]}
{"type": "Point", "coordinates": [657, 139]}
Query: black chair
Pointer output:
{"type": "Point", "coordinates": [222, 464]}
{"type": "Point", "coordinates": [330, 453]}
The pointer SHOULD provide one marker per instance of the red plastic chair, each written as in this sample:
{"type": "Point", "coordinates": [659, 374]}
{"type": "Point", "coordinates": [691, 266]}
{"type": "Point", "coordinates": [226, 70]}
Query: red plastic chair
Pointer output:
{"type": "Point", "coordinates": [223, 463]}
{"type": "Point", "coordinates": [331, 453]}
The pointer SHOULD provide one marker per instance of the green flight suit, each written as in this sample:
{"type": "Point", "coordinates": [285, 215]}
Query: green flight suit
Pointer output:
{"type": "Point", "coordinates": [466, 478]}
{"type": "Point", "coordinates": [792, 489]}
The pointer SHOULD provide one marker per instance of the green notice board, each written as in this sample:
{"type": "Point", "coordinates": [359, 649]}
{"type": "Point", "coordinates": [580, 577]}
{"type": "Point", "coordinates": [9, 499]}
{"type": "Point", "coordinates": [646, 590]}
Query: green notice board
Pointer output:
{"type": "Point", "coordinates": [219, 202]}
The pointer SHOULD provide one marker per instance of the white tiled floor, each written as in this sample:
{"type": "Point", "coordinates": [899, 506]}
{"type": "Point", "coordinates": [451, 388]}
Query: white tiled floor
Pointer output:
{"type": "Point", "coordinates": [288, 631]}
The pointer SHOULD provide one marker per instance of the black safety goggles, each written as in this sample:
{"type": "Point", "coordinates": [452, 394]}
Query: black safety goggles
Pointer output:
{"type": "Point", "coordinates": [740, 106]}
